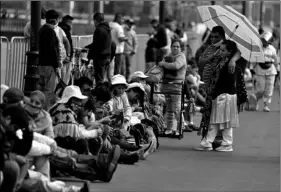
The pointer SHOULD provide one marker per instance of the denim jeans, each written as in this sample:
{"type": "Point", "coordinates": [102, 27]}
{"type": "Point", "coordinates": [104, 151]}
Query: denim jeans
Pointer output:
{"type": "Point", "coordinates": [66, 72]}
{"type": "Point", "coordinates": [128, 64]}
{"type": "Point", "coordinates": [48, 82]}
{"type": "Point", "coordinates": [119, 64]}
{"type": "Point", "coordinates": [101, 67]}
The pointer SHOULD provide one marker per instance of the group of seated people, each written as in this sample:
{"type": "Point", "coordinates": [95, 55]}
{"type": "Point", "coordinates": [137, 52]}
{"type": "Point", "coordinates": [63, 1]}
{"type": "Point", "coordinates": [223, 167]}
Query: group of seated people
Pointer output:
{"type": "Point", "coordinates": [86, 134]}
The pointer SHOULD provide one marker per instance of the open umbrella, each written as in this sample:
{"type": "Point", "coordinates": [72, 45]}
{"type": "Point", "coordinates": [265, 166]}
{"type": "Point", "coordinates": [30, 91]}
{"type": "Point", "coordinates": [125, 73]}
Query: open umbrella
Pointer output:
{"type": "Point", "coordinates": [237, 28]}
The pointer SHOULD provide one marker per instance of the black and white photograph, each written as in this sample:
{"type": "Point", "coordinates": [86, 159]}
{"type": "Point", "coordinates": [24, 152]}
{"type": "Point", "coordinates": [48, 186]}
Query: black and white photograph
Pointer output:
{"type": "Point", "coordinates": [140, 96]}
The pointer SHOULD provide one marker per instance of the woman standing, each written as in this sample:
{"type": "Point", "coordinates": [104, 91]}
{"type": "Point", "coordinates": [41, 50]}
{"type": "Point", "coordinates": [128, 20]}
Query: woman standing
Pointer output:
{"type": "Point", "coordinates": [265, 72]}
{"type": "Point", "coordinates": [174, 74]}
{"type": "Point", "coordinates": [225, 94]}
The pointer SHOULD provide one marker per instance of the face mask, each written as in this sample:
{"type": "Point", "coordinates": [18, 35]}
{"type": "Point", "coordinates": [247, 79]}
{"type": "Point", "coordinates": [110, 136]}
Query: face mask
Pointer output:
{"type": "Point", "coordinates": [218, 43]}
{"type": "Point", "coordinates": [32, 110]}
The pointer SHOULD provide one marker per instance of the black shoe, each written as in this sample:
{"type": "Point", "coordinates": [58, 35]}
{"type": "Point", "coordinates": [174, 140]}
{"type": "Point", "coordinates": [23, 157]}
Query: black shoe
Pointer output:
{"type": "Point", "coordinates": [129, 159]}
{"type": "Point", "coordinates": [187, 129]}
{"type": "Point", "coordinates": [86, 187]}
{"type": "Point", "coordinates": [193, 127]}
{"type": "Point", "coordinates": [113, 157]}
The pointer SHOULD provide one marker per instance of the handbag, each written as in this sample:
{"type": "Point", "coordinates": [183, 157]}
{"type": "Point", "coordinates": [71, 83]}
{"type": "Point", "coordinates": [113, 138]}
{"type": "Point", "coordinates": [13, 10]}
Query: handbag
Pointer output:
{"type": "Point", "coordinates": [156, 71]}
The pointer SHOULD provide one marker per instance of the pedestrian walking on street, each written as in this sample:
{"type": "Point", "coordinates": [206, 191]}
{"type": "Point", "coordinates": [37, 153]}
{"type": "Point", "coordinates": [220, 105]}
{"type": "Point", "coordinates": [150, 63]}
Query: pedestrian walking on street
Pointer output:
{"type": "Point", "coordinates": [265, 72]}
{"type": "Point", "coordinates": [130, 48]}
{"type": "Point", "coordinates": [100, 49]}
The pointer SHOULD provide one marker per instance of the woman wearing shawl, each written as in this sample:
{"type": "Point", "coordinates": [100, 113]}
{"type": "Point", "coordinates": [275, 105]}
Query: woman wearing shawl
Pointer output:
{"type": "Point", "coordinates": [226, 92]}
{"type": "Point", "coordinates": [209, 58]}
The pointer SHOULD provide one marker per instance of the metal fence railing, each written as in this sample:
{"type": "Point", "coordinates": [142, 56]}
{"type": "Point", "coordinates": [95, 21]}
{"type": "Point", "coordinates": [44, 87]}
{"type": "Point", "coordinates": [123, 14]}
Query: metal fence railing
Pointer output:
{"type": "Point", "coordinates": [4, 58]}
{"type": "Point", "coordinates": [85, 40]}
{"type": "Point", "coordinates": [13, 57]}
{"type": "Point", "coordinates": [17, 65]}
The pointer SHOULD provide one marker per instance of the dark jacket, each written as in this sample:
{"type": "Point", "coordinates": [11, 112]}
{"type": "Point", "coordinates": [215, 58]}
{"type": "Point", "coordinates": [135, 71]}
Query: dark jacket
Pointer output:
{"type": "Point", "coordinates": [19, 120]}
{"type": "Point", "coordinates": [101, 47]}
{"type": "Point", "coordinates": [48, 47]}
{"type": "Point", "coordinates": [67, 30]}
{"type": "Point", "coordinates": [161, 37]}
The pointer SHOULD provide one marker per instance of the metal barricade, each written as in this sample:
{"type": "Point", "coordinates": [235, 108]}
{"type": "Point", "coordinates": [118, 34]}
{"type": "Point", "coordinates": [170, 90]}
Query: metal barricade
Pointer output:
{"type": "Point", "coordinates": [85, 40]}
{"type": "Point", "coordinates": [5, 46]}
{"type": "Point", "coordinates": [139, 59]}
{"type": "Point", "coordinates": [17, 62]}
{"type": "Point", "coordinates": [75, 40]}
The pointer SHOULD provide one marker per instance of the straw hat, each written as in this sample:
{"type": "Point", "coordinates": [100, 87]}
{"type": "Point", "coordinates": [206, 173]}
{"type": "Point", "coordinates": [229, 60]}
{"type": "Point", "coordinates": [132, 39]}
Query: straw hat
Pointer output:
{"type": "Point", "coordinates": [71, 91]}
{"type": "Point", "coordinates": [118, 80]}
{"type": "Point", "coordinates": [139, 74]}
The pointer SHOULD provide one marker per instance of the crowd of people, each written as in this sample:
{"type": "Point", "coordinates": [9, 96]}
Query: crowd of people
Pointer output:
{"type": "Point", "coordinates": [93, 124]}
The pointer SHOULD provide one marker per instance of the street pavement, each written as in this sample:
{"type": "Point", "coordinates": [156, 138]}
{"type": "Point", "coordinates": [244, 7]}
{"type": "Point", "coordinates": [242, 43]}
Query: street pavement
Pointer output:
{"type": "Point", "coordinates": [253, 165]}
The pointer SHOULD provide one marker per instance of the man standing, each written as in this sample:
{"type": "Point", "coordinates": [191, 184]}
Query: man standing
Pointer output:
{"type": "Point", "coordinates": [49, 57]}
{"type": "Point", "coordinates": [162, 40]}
{"type": "Point", "coordinates": [118, 36]}
{"type": "Point", "coordinates": [27, 29]}
{"type": "Point", "coordinates": [66, 26]}
{"type": "Point", "coordinates": [130, 48]}
{"type": "Point", "coordinates": [100, 49]}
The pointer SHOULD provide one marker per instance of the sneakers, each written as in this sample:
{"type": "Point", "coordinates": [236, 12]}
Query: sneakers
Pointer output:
{"type": "Point", "coordinates": [112, 162]}
{"type": "Point", "coordinates": [266, 108]}
{"type": "Point", "coordinates": [202, 148]}
{"type": "Point", "coordinates": [224, 148]}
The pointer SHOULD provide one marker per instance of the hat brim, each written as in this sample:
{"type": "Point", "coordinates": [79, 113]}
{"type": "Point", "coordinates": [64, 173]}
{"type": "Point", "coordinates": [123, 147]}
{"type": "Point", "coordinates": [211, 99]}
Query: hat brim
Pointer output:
{"type": "Point", "coordinates": [142, 76]}
{"type": "Point", "coordinates": [66, 99]}
{"type": "Point", "coordinates": [125, 84]}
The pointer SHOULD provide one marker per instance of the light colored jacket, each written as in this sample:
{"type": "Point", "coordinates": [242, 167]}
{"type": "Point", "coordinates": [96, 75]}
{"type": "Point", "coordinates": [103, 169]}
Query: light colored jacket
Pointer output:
{"type": "Point", "coordinates": [176, 70]}
{"type": "Point", "coordinates": [120, 103]}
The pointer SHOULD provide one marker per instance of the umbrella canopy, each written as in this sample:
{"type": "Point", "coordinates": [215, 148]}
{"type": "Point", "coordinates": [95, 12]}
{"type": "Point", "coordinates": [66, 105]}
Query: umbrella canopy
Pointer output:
{"type": "Point", "coordinates": [237, 28]}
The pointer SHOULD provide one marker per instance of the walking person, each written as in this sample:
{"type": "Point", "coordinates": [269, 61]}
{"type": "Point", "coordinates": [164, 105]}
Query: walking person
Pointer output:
{"type": "Point", "coordinates": [130, 48]}
{"type": "Point", "coordinates": [66, 26]}
{"type": "Point", "coordinates": [100, 49]}
{"type": "Point", "coordinates": [225, 94]}
{"type": "Point", "coordinates": [118, 36]}
{"type": "Point", "coordinates": [265, 73]}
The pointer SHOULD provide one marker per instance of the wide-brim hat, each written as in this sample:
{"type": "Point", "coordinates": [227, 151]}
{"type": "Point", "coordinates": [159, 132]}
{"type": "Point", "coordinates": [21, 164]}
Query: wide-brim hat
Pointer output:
{"type": "Point", "coordinates": [118, 80]}
{"type": "Point", "coordinates": [134, 85]}
{"type": "Point", "coordinates": [71, 91]}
